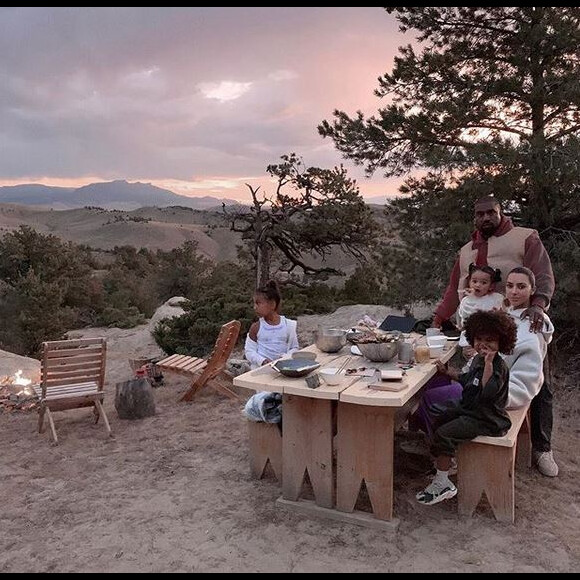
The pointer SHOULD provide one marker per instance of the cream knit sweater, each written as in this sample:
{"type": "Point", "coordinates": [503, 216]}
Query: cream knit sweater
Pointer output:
{"type": "Point", "coordinates": [526, 361]}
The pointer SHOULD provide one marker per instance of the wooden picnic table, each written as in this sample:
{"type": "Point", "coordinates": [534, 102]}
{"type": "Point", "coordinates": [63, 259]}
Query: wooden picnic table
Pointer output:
{"type": "Point", "coordinates": [365, 428]}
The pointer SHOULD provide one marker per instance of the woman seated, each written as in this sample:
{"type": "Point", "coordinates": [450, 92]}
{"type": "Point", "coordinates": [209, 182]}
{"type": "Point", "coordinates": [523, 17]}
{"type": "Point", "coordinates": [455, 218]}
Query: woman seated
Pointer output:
{"type": "Point", "coordinates": [525, 364]}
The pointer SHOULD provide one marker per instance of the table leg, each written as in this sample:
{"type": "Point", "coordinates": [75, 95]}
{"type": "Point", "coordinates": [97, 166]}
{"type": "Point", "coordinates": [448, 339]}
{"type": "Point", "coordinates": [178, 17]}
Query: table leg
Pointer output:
{"type": "Point", "coordinates": [365, 452]}
{"type": "Point", "coordinates": [307, 446]}
{"type": "Point", "coordinates": [265, 443]}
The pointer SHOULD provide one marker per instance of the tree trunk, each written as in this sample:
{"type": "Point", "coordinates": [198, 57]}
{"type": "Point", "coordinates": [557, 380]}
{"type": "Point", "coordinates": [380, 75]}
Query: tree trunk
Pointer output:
{"type": "Point", "coordinates": [263, 256]}
{"type": "Point", "coordinates": [540, 188]}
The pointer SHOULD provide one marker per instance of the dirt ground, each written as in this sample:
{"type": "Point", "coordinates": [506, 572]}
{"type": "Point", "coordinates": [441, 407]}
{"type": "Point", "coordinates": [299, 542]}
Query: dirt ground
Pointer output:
{"type": "Point", "coordinates": [173, 493]}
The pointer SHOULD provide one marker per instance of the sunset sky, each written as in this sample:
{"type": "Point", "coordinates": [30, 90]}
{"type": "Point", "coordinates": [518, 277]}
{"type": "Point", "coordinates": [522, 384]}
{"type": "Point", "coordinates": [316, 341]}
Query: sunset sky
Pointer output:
{"type": "Point", "coordinates": [198, 100]}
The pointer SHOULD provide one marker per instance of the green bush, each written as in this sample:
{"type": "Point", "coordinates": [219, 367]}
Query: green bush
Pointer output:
{"type": "Point", "coordinates": [226, 295]}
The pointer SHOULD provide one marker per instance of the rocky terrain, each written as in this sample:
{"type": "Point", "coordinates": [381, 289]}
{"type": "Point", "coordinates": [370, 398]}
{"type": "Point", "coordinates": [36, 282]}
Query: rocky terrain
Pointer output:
{"type": "Point", "coordinates": [173, 493]}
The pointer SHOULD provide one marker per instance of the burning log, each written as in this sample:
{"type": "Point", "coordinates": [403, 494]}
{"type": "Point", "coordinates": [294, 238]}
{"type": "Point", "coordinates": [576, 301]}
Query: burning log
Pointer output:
{"type": "Point", "coordinates": [17, 394]}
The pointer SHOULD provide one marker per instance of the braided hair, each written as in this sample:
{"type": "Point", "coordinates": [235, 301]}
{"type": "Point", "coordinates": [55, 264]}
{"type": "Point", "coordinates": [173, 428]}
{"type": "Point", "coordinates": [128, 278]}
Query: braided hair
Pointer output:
{"type": "Point", "coordinates": [271, 291]}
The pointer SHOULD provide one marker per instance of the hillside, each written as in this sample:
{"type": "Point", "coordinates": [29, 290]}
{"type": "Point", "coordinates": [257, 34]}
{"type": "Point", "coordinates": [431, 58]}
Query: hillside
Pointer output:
{"type": "Point", "coordinates": [152, 228]}
{"type": "Point", "coordinates": [118, 194]}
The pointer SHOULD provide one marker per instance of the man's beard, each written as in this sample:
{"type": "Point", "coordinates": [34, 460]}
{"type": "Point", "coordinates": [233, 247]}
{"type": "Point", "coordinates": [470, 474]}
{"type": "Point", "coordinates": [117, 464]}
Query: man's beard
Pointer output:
{"type": "Point", "coordinates": [487, 230]}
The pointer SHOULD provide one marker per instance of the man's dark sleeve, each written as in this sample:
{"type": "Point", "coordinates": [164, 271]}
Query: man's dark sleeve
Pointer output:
{"type": "Point", "coordinates": [450, 301]}
{"type": "Point", "coordinates": [536, 258]}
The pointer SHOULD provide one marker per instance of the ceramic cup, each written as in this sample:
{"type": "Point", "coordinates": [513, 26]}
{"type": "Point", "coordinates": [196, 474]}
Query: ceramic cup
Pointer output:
{"type": "Point", "coordinates": [433, 332]}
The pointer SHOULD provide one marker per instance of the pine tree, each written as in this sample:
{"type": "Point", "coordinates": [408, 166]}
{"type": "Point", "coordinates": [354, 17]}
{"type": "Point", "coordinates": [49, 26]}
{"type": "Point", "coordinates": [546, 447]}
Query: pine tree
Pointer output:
{"type": "Point", "coordinates": [487, 100]}
{"type": "Point", "coordinates": [312, 212]}
{"type": "Point", "coordinates": [493, 97]}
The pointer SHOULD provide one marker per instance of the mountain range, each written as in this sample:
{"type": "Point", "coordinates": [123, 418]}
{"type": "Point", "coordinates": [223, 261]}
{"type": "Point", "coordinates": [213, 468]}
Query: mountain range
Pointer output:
{"type": "Point", "coordinates": [119, 194]}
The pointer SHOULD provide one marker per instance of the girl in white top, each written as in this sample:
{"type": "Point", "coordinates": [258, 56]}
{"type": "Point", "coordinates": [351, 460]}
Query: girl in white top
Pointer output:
{"type": "Point", "coordinates": [273, 335]}
{"type": "Point", "coordinates": [479, 295]}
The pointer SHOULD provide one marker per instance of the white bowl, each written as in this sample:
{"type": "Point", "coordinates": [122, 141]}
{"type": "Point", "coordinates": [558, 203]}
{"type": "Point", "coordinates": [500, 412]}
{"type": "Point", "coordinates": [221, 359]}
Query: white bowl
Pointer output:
{"type": "Point", "coordinates": [435, 351]}
{"type": "Point", "coordinates": [331, 376]}
{"type": "Point", "coordinates": [435, 341]}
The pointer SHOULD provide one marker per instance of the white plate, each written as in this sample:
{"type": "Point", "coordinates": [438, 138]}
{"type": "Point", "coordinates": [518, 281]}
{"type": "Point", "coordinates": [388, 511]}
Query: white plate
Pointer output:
{"type": "Point", "coordinates": [354, 349]}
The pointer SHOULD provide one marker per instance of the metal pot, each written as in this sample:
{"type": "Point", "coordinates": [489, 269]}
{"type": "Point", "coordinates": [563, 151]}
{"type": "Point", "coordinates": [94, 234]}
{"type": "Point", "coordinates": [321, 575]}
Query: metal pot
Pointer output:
{"type": "Point", "coordinates": [330, 339]}
{"type": "Point", "coordinates": [379, 351]}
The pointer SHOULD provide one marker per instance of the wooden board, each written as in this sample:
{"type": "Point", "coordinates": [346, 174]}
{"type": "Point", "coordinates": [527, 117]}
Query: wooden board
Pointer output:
{"type": "Point", "coordinates": [265, 442]}
{"type": "Point", "coordinates": [392, 386]}
{"type": "Point", "coordinates": [517, 417]}
{"type": "Point", "coordinates": [309, 508]}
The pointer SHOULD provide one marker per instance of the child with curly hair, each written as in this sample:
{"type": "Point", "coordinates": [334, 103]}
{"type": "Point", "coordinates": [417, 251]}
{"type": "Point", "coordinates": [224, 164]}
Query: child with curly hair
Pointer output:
{"type": "Point", "coordinates": [481, 409]}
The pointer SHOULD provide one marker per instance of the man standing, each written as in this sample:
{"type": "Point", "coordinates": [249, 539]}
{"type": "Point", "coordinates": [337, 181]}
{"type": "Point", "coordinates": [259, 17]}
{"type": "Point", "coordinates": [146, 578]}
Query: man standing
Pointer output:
{"type": "Point", "coordinates": [498, 243]}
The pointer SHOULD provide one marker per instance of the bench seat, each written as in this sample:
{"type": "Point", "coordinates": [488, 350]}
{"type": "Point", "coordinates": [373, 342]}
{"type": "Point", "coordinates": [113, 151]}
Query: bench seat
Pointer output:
{"type": "Point", "coordinates": [487, 465]}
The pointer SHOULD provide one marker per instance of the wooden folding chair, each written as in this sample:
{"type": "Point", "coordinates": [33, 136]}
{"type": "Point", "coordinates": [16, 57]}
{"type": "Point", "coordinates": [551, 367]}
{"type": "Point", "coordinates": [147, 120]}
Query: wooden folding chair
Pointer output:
{"type": "Point", "coordinates": [206, 371]}
{"type": "Point", "coordinates": [72, 375]}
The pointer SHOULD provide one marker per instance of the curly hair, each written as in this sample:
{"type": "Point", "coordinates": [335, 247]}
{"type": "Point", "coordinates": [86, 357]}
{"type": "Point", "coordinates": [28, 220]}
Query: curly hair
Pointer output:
{"type": "Point", "coordinates": [493, 323]}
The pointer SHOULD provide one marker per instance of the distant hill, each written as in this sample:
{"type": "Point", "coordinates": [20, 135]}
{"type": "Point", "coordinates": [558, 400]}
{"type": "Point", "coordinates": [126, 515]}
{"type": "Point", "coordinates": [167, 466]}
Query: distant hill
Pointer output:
{"type": "Point", "coordinates": [379, 200]}
{"type": "Point", "coordinates": [119, 194]}
{"type": "Point", "coordinates": [162, 228]}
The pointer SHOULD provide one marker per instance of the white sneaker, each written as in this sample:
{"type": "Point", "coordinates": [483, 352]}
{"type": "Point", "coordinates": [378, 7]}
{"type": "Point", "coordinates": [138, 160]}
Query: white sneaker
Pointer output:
{"type": "Point", "coordinates": [546, 464]}
{"type": "Point", "coordinates": [436, 491]}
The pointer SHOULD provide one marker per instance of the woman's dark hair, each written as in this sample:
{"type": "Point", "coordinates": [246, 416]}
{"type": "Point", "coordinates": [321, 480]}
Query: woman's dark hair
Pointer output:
{"type": "Point", "coordinates": [492, 323]}
{"type": "Point", "coordinates": [495, 274]}
{"type": "Point", "coordinates": [527, 272]}
{"type": "Point", "coordinates": [271, 291]}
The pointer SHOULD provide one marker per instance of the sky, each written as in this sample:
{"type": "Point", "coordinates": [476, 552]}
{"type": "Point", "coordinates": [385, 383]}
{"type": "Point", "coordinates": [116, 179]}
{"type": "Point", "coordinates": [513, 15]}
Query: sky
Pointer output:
{"type": "Point", "coordinates": [197, 100]}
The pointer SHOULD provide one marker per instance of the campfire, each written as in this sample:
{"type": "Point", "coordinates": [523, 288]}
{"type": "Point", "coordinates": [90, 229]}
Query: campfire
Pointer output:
{"type": "Point", "coordinates": [17, 393]}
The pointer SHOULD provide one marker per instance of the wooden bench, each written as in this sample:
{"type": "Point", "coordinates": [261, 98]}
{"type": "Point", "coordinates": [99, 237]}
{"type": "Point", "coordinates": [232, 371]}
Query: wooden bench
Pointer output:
{"type": "Point", "coordinates": [487, 465]}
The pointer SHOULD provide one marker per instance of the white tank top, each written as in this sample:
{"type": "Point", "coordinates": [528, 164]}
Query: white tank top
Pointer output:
{"type": "Point", "coordinates": [273, 340]}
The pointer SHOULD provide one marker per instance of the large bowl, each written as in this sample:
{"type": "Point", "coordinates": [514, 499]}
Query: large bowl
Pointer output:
{"type": "Point", "coordinates": [379, 351]}
{"type": "Point", "coordinates": [292, 367]}
{"type": "Point", "coordinates": [330, 339]}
